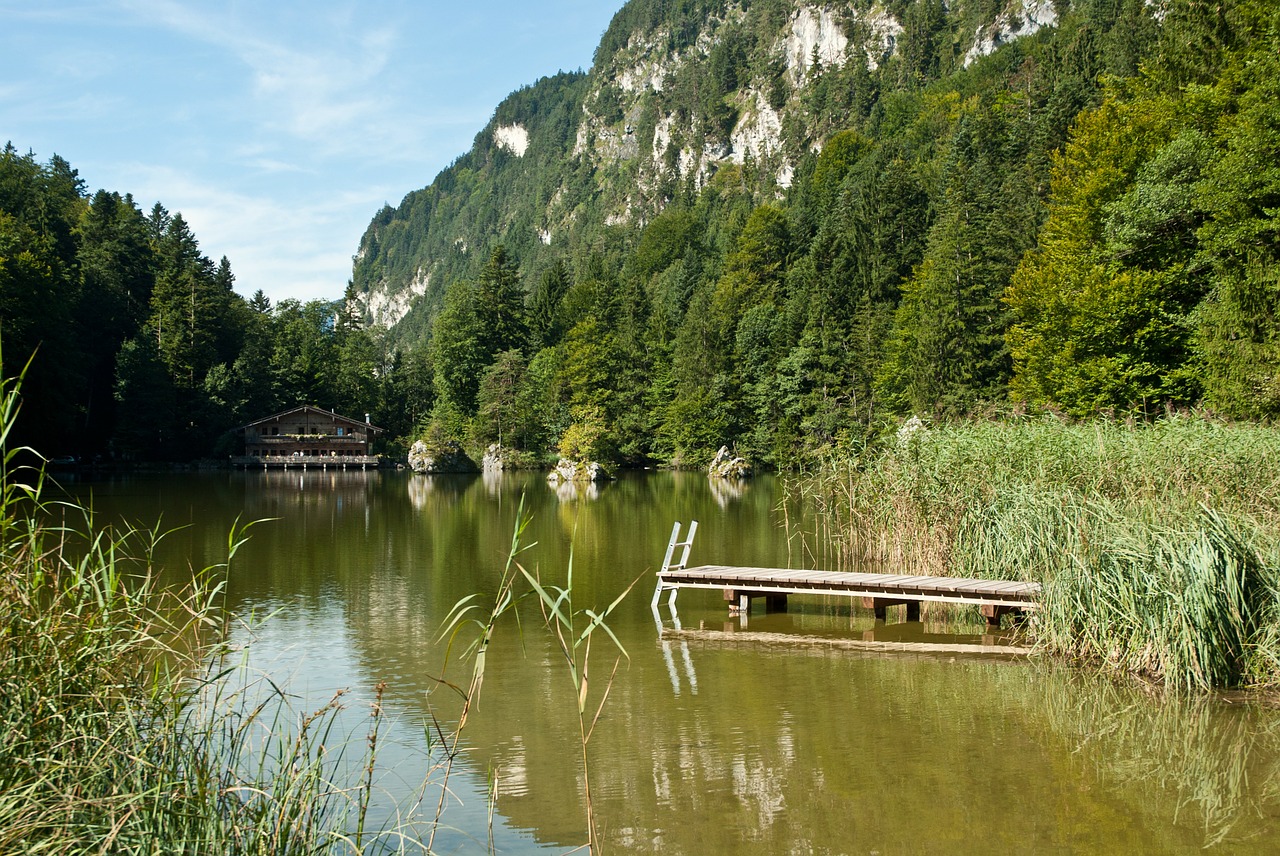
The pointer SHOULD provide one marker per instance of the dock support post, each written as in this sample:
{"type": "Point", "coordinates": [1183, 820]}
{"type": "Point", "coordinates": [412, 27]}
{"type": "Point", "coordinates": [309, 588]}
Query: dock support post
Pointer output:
{"type": "Point", "coordinates": [994, 613]}
{"type": "Point", "coordinates": [880, 605]}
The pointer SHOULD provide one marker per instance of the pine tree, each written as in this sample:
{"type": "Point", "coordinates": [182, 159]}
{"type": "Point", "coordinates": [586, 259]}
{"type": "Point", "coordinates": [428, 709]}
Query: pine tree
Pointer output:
{"type": "Point", "coordinates": [499, 306]}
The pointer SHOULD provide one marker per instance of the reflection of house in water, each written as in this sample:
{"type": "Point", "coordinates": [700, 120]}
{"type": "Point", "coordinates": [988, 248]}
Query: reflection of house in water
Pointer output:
{"type": "Point", "coordinates": [307, 436]}
{"type": "Point", "coordinates": [332, 489]}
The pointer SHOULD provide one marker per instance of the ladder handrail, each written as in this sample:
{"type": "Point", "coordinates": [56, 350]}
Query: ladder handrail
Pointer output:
{"type": "Point", "coordinates": [672, 544]}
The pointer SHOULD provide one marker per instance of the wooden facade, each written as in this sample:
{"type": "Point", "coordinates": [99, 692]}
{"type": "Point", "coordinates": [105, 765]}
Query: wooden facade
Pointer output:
{"type": "Point", "coordinates": [308, 436]}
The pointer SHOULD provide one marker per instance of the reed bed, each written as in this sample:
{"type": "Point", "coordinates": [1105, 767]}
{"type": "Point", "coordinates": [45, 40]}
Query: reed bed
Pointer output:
{"type": "Point", "coordinates": [116, 737]}
{"type": "Point", "coordinates": [1158, 545]}
{"type": "Point", "coordinates": [120, 729]}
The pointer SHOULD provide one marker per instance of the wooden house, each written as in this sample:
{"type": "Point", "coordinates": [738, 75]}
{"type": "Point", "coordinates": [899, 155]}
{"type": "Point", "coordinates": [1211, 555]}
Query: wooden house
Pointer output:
{"type": "Point", "coordinates": [308, 436]}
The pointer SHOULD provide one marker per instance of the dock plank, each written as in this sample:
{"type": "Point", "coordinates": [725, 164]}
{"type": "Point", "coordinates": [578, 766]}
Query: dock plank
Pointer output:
{"type": "Point", "coordinates": [763, 581]}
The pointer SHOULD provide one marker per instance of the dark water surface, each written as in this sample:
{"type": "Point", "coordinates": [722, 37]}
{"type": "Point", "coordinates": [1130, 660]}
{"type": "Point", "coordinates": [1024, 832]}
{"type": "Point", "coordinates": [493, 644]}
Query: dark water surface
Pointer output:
{"type": "Point", "coordinates": [708, 744]}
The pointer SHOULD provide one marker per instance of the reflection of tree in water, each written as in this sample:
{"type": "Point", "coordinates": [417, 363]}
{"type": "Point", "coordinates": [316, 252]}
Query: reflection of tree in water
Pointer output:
{"type": "Point", "coordinates": [1203, 755]}
{"type": "Point", "coordinates": [787, 749]}
{"type": "Point", "coordinates": [726, 490]}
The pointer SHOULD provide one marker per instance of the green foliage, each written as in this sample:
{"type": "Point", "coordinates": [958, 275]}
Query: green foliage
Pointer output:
{"type": "Point", "coordinates": [1158, 545]}
{"type": "Point", "coordinates": [500, 308]}
{"type": "Point", "coordinates": [139, 346]}
{"type": "Point", "coordinates": [1082, 220]}
{"type": "Point", "coordinates": [1095, 328]}
{"type": "Point", "coordinates": [583, 440]}
{"type": "Point", "coordinates": [456, 350]}
{"type": "Point", "coordinates": [505, 412]}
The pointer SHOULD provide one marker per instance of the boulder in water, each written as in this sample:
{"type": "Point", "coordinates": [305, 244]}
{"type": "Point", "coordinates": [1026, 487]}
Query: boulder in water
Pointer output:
{"type": "Point", "coordinates": [569, 470]}
{"type": "Point", "coordinates": [447, 457]}
{"type": "Point", "coordinates": [726, 465]}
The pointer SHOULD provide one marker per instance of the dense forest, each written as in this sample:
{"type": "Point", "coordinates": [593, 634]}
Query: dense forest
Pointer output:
{"type": "Point", "coordinates": [1083, 221]}
{"type": "Point", "coordinates": [1080, 219]}
{"type": "Point", "coordinates": [139, 349]}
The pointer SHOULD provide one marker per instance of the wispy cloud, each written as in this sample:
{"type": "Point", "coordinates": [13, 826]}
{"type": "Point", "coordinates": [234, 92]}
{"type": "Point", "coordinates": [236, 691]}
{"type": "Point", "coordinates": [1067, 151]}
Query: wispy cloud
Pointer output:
{"type": "Point", "coordinates": [279, 128]}
{"type": "Point", "coordinates": [325, 93]}
{"type": "Point", "coordinates": [287, 246]}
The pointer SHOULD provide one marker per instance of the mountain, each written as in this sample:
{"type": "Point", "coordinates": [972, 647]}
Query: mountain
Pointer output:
{"type": "Point", "coordinates": [782, 226]}
{"type": "Point", "coordinates": [677, 91]}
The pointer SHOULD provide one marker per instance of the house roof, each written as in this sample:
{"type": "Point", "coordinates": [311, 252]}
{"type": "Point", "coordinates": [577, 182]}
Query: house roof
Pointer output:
{"type": "Point", "coordinates": [317, 411]}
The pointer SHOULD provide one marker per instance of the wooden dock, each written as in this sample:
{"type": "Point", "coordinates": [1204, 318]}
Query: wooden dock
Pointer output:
{"type": "Point", "coordinates": [305, 462]}
{"type": "Point", "coordinates": [877, 591]}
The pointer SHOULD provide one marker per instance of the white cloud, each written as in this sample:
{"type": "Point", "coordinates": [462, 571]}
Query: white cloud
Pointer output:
{"type": "Point", "coordinates": [325, 93]}
{"type": "Point", "coordinates": [287, 246]}
{"type": "Point", "coordinates": [277, 129]}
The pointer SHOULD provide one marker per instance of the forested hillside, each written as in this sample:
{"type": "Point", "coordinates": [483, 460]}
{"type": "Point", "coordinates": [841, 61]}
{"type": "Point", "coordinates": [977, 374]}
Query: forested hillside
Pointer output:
{"type": "Point", "coordinates": [139, 349]}
{"type": "Point", "coordinates": [775, 225]}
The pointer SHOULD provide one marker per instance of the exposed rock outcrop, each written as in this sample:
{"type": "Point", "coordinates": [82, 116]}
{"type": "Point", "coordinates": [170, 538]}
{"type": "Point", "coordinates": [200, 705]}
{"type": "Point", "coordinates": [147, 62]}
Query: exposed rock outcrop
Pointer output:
{"type": "Point", "coordinates": [513, 138]}
{"type": "Point", "coordinates": [381, 307]}
{"type": "Point", "coordinates": [496, 458]}
{"type": "Point", "coordinates": [583, 472]}
{"type": "Point", "coordinates": [448, 457]}
{"type": "Point", "coordinates": [726, 465]}
{"type": "Point", "coordinates": [1019, 19]}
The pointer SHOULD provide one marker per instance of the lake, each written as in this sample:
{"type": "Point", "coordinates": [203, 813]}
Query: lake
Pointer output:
{"type": "Point", "coordinates": [778, 742]}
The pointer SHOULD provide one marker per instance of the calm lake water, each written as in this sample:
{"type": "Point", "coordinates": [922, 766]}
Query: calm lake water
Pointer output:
{"type": "Point", "coordinates": [708, 744]}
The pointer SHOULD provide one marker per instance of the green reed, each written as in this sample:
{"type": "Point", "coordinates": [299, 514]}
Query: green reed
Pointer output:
{"type": "Point", "coordinates": [1158, 545]}
{"type": "Point", "coordinates": [571, 629]}
{"type": "Point", "coordinates": [120, 729]}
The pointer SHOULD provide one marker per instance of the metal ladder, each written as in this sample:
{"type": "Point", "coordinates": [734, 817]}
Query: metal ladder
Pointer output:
{"type": "Point", "coordinates": [667, 565]}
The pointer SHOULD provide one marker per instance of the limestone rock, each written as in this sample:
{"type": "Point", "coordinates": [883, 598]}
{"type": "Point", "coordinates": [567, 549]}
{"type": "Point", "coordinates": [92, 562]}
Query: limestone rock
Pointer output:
{"type": "Point", "coordinates": [445, 458]}
{"type": "Point", "coordinates": [496, 458]}
{"type": "Point", "coordinates": [1018, 20]}
{"type": "Point", "coordinates": [726, 465]}
{"type": "Point", "coordinates": [570, 471]}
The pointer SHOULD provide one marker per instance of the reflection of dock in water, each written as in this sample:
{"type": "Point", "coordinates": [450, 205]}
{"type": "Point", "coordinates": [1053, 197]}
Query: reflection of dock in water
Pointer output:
{"type": "Point", "coordinates": [872, 641]}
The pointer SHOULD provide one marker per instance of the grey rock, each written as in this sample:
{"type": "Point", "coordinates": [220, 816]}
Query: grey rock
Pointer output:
{"type": "Point", "coordinates": [446, 458]}
{"type": "Point", "coordinates": [725, 465]}
{"type": "Point", "coordinates": [570, 471]}
{"type": "Point", "coordinates": [496, 458]}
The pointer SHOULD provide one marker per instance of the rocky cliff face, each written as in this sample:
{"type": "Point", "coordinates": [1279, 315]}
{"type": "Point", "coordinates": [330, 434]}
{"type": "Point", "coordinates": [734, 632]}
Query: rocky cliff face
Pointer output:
{"type": "Point", "coordinates": [661, 112]}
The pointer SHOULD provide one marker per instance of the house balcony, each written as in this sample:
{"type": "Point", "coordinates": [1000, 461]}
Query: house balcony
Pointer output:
{"type": "Point", "coordinates": [294, 439]}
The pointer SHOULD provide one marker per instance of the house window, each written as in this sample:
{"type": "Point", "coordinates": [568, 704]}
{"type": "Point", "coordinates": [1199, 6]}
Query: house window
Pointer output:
{"type": "Point", "coordinates": [342, 432]}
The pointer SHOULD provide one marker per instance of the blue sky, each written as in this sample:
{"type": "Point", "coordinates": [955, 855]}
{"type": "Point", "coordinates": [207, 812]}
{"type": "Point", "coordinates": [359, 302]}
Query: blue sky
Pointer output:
{"type": "Point", "coordinates": [276, 128]}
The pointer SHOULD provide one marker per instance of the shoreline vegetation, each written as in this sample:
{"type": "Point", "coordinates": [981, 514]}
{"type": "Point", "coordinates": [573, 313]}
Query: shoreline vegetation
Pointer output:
{"type": "Point", "coordinates": [127, 726]}
{"type": "Point", "coordinates": [130, 727]}
{"type": "Point", "coordinates": [126, 723]}
{"type": "Point", "coordinates": [1158, 544]}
